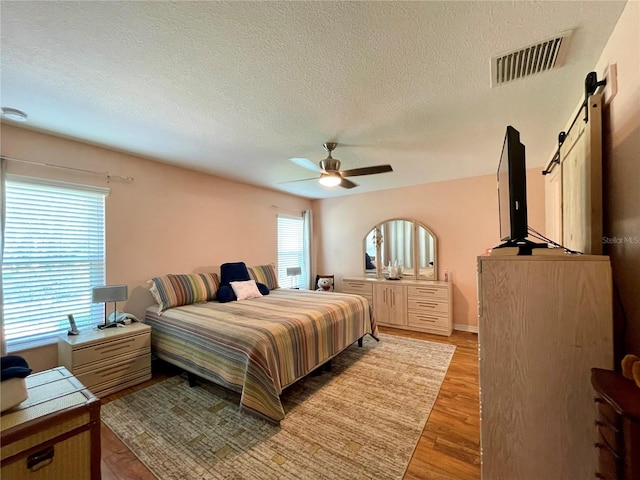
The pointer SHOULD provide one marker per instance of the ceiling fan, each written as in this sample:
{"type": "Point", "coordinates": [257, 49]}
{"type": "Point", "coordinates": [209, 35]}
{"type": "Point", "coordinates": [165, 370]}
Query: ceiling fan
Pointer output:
{"type": "Point", "coordinates": [329, 169]}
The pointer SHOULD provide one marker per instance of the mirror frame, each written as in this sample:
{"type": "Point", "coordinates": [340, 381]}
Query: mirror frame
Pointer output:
{"type": "Point", "coordinates": [416, 251]}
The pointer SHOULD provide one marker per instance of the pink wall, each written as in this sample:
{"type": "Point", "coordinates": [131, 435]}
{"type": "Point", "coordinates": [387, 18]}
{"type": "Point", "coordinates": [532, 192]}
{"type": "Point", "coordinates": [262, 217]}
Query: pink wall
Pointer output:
{"type": "Point", "coordinates": [462, 213]}
{"type": "Point", "coordinates": [621, 171]}
{"type": "Point", "coordinates": [169, 220]}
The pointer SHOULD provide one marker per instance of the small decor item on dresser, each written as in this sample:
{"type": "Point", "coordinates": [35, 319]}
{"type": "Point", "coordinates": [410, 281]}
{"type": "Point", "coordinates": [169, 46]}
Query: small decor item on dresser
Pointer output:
{"type": "Point", "coordinates": [14, 391]}
{"type": "Point", "coordinates": [395, 271]}
{"type": "Point", "coordinates": [631, 368]}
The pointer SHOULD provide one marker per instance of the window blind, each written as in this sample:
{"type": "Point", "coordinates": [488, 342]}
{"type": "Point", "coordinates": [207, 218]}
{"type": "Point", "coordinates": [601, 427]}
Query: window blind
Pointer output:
{"type": "Point", "coordinates": [290, 250]}
{"type": "Point", "coordinates": [54, 253]}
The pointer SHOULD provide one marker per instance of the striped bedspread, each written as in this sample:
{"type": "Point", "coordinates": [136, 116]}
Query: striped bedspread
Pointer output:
{"type": "Point", "coordinates": [260, 346]}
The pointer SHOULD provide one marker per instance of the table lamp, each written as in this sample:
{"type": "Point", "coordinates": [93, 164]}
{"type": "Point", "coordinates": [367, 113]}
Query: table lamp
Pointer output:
{"type": "Point", "coordinates": [293, 272]}
{"type": "Point", "coordinates": [109, 293]}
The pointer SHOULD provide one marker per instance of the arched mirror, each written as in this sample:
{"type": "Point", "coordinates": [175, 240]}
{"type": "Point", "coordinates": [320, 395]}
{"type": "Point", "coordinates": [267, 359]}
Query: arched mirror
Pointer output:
{"type": "Point", "coordinates": [407, 243]}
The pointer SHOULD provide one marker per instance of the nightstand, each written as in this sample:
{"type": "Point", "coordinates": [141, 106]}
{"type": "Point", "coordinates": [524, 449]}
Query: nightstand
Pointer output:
{"type": "Point", "coordinates": [108, 360]}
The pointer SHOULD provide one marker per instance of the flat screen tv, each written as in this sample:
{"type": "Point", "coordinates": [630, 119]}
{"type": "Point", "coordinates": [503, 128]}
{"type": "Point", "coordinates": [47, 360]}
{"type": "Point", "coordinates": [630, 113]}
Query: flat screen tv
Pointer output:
{"type": "Point", "coordinates": [512, 189]}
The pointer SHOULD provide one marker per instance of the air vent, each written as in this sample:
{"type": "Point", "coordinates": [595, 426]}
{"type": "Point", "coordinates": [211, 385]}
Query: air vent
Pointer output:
{"type": "Point", "coordinates": [529, 60]}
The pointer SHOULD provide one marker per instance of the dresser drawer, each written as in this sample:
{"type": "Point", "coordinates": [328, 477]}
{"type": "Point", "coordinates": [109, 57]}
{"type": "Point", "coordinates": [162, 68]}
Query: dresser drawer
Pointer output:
{"type": "Point", "coordinates": [95, 379]}
{"type": "Point", "coordinates": [427, 292]}
{"type": "Point", "coordinates": [359, 288]}
{"type": "Point", "coordinates": [608, 462]}
{"type": "Point", "coordinates": [107, 351]}
{"type": "Point", "coordinates": [428, 305]}
{"type": "Point", "coordinates": [435, 320]}
{"type": "Point", "coordinates": [609, 435]}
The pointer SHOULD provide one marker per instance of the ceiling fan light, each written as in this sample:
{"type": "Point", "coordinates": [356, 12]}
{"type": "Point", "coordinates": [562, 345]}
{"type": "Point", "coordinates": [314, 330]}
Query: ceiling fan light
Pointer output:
{"type": "Point", "coordinates": [330, 179]}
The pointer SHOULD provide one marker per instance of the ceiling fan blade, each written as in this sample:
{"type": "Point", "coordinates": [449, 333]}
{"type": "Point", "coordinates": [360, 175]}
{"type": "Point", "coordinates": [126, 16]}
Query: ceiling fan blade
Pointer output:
{"type": "Point", "coordinates": [347, 183]}
{"type": "Point", "coordinates": [301, 180]}
{"type": "Point", "coordinates": [306, 163]}
{"type": "Point", "coordinates": [356, 172]}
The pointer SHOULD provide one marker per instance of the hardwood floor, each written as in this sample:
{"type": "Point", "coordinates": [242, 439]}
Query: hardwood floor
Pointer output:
{"type": "Point", "coordinates": [449, 447]}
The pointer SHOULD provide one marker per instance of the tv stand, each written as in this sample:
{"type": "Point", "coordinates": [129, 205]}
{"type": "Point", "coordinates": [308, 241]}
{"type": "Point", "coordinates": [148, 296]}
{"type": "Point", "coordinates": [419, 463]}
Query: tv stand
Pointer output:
{"type": "Point", "coordinates": [524, 246]}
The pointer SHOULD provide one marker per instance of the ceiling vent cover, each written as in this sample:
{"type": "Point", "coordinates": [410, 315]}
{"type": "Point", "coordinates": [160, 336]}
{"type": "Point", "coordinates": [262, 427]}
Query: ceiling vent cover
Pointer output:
{"type": "Point", "coordinates": [529, 60]}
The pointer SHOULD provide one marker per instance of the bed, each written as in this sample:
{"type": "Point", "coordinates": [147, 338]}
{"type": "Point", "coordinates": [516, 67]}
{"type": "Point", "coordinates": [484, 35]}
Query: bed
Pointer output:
{"type": "Point", "coordinates": [258, 347]}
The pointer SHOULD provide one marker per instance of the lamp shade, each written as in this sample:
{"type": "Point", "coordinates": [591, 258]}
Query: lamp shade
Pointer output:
{"type": "Point", "coordinates": [109, 293]}
{"type": "Point", "coordinates": [293, 271]}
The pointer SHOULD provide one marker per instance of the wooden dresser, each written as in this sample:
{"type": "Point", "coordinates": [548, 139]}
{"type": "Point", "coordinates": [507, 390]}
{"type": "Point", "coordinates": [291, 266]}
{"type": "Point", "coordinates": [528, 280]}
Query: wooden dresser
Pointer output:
{"type": "Point", "coordinates": [543, 323]}
{"type": "Point", "coordinates": [108, 360]}
{"type": "Point", "coordinates": [420, 305]}
{"type": "Point", "coordinates": [618, 425]}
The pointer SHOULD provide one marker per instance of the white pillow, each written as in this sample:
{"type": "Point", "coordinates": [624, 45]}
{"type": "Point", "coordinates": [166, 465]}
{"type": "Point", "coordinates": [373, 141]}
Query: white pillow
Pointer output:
{"type": "Point", "coordinates": [245, 290]}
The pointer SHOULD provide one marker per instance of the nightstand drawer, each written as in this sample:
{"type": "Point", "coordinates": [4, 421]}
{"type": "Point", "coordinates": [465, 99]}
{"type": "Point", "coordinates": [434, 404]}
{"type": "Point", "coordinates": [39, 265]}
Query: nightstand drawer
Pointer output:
{"type": "Point", "coordinates": [428, 305]}
{"type": "Point", "coordinates": [100, 378]}
{"type": "Point", "coordinates": [113, 349]}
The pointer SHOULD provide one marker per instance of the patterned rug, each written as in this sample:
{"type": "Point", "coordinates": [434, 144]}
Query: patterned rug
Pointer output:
{"type": "Point", "coordinates": [361, 420]}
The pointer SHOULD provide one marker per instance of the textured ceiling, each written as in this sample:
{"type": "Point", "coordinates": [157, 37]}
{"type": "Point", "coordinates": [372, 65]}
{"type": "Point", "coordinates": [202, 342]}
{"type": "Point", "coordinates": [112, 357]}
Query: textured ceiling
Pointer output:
{"type": "Point", "coordinates": [237, 88]}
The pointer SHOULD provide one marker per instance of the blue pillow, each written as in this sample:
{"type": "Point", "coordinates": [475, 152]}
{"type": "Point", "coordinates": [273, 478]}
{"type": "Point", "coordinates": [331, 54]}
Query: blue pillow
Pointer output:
{"type": "Point", "coordinates": [233, 272]}
{"type": "Point", "coordinates": [14, 366]}
{"type": "Point", "coordinates": [225, 294]}
{"type": "Point", "coordinates": [264, 290]}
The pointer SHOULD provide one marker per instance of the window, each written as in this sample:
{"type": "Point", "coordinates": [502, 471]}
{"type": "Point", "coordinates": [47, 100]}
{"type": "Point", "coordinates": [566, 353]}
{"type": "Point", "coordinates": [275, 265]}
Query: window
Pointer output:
{"type": "Point", "coordinates": [54, 253]}
{"type": "Point", "coordinates": [291, 251]}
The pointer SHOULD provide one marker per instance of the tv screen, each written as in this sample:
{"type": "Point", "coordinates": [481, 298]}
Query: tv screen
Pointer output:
{"type": "Point", "coordinates": [512, 188]}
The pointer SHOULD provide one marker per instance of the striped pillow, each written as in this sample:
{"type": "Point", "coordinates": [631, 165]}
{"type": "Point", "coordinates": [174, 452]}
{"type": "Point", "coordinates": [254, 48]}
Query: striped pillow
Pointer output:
{"type": "Point", "coordinates": [175, 290]}
{"type": "Point", "coordinates": [265, 274]}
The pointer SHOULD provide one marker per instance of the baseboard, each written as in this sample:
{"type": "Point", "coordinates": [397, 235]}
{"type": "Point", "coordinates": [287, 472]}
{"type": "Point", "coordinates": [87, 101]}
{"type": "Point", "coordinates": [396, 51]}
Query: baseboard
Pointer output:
{"type": "Point", "coordinates": [466, 328]}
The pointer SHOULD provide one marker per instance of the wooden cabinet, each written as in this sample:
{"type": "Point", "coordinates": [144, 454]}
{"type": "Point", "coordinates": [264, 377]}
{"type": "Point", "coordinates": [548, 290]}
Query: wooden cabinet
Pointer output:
{"type": "Point", "coordinates": [543, 323]}
{"type": "Point", "coordinates": [390, 304]}
{"type": "Point", "coordinates": [108, 360]}
{"type": "Point", "coordinates": [419, 305]}
{"type": "Point", "coordinates": [618, 425]}
{"type": "Point", "coordinates": [54, 433]}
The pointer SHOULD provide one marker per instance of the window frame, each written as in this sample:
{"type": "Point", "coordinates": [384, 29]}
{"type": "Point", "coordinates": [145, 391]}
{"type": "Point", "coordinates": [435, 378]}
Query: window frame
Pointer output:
{"type": "Point", "coordinates": [83, 256]}
{"type": "Point", "coordinates": [284, 256]}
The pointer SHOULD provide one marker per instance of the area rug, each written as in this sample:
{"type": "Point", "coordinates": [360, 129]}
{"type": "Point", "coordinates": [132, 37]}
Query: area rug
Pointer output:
{"type": "Point", "coordinates": [361, 420]}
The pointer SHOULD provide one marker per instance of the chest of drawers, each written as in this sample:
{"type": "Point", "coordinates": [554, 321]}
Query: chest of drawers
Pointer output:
{"type": "Point", "coordinates": [419, 305]}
